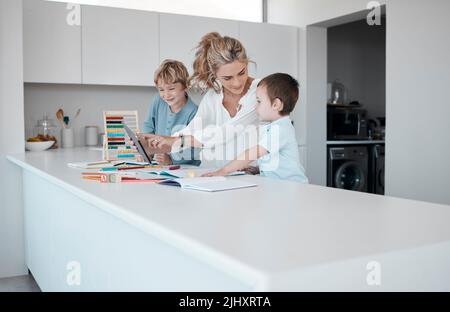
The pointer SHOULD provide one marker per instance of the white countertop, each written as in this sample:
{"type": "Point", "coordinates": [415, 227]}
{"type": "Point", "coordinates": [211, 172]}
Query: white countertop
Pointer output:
{"type": "Point", "coordinates": [259, 232]}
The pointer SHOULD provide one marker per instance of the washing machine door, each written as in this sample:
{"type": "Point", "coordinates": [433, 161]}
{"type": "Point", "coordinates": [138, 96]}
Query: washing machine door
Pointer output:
{"type": "Point", "coordinates": [350, 176]}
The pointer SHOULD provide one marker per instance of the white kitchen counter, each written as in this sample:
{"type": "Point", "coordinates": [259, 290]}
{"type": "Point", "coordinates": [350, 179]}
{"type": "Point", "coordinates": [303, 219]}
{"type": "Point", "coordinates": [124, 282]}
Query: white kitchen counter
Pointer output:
{"type": "Point", "coordinates": [278, 236]}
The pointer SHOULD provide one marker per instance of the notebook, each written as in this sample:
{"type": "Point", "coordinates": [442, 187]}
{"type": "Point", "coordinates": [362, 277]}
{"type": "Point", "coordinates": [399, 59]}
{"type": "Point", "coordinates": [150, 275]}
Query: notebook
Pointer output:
{"type": "Point", "coordinates": [207, 184]}
{"type": "Point", "coordinates": [185, 173]}
{"type": "Point", "coordinates": [91, 165]}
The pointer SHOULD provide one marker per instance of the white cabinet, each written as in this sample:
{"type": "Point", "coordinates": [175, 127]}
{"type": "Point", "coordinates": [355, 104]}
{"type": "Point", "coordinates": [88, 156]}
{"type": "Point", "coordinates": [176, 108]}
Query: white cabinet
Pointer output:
{"type": "Point", "coordinates": [119, 46]}
{"type": "Point", "coordinates": [180, 35]}
{"type": "Point", "coordinates": [274, 48]}
{"type": "Point", "coordinates": [115, 46]}
{"type": "Point", "coordinates": [51, 42]}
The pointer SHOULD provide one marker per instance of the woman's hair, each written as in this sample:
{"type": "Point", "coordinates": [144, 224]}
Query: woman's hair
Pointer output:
{"type": "Point", "coordinates": [212, 52]}
{"type": "Point", "coordinates": [171, 71]}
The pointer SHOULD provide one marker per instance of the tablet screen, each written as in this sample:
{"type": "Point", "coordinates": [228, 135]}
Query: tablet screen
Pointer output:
{"type": "Point", "coordinates": [138, 144]}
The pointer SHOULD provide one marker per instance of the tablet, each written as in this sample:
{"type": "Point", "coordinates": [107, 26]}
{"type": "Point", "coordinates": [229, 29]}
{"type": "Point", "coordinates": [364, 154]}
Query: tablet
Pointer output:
{"type": "Point", "coordinates": [138, 144]}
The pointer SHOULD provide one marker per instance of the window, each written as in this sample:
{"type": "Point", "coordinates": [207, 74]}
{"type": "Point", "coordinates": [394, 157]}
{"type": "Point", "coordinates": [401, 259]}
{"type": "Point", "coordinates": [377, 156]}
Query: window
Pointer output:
{"type": "Point", "coordinates": [245, 10]}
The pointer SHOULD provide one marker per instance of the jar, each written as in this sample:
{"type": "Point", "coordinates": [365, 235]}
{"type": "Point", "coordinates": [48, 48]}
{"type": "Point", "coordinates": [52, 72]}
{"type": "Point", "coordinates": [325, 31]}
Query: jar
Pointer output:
{"type": "Point", "coordinates": [91, 135]}
{"type": "Point", "coordinates": [338, 94]}
{"type": "Point", "coordinates": [46, 129]}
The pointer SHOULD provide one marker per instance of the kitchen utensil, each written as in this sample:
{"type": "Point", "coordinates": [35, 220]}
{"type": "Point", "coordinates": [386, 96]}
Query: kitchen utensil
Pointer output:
{"type": "Point", "coordinates": [60, 117]}
{"type": "Point", "coordinates": [77, 114]}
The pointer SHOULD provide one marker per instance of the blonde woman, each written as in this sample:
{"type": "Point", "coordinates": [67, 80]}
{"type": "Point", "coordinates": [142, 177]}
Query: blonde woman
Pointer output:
{"type": "Point", "coordinates": [227, 109]}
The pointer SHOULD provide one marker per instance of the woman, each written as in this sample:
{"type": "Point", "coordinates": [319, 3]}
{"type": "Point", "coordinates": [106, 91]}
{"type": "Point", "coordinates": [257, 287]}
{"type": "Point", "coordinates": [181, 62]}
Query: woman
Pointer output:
{"type": "Point", "coordinates": [226, 119]}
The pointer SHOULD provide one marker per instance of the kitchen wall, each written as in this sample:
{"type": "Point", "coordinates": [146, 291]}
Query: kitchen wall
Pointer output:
{"type": "Point", "coordinates": [45, 99]}
{"type": "Point", "coordinates": [41, 99]}
{"type": "Point", "coordinates": [12, 258]}
{"type": "Point", "coordinates": [417, 80]}
{"type": "Point", "coordinates": [357, 57]}
{"type": "Point", "coordinates": [417, 103]}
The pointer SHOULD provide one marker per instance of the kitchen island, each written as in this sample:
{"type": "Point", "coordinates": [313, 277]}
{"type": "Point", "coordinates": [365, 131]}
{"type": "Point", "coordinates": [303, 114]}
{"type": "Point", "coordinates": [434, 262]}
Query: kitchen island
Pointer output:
{"type": "Point", "coordinates": [279, 236]}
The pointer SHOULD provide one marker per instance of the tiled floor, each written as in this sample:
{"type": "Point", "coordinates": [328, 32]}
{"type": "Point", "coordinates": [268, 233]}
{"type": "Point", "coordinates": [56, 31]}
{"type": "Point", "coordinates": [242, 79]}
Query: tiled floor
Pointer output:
{"type": "Point", "coordinates": [24, 283]}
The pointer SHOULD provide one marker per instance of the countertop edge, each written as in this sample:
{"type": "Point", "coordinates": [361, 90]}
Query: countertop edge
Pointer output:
{"type": "Point", "coordinates": [220, 261]}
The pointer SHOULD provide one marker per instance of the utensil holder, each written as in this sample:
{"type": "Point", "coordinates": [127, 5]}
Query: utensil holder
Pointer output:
{"type": "Point", "coordinates": [68, 139]}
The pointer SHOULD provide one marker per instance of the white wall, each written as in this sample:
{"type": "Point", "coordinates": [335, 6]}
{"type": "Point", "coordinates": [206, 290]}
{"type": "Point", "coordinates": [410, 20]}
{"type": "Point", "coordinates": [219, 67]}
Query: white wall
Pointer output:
{"type": "Point", "coordinates": [417, 103]}
{"type": "Point", "coordinates": [41, 99]}
{"type": "Point", "coordinates": [12, 261]}
{"type": "Point", "coordinates": [357, 57]}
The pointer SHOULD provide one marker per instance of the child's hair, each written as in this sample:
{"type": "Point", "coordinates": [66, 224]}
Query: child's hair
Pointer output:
{"type": "Point", "coordinates": [171, 71]}
{"type": "Point", "coordinates": [283, 87]}
{"type": "Point", "coordinates": [212, 52]}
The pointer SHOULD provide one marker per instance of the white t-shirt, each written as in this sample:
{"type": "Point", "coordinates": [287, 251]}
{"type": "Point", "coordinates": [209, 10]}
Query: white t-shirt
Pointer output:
{"type": "Point", "coordinates": [282, 162]}
{"type": "Point", "coordinates": [222, 136]}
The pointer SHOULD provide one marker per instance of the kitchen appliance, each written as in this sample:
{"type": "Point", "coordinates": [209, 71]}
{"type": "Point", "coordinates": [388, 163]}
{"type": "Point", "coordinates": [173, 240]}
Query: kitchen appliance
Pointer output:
{"type": "Point", "coordinates": [337, 93]}
{"type": "Point", "coordinates": [376, 129]}
{"type": "Point", "coordinates": [346, 123]}
{"type": "Point", "coordinates": [348, 168]}
{"type": "Point", "coordinates": [376, 173]}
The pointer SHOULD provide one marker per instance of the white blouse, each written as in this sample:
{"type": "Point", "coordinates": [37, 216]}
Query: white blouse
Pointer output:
{"type": "Point", "coordinates": [224, 137]}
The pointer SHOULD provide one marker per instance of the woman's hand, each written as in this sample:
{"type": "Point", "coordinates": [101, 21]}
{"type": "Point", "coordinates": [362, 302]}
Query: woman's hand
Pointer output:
{"type": "Point", "coordinates": [163, 159]}
{"type": "Point", "coordinates": [215, 173]}
{"type": "Point", "coordinates": [164, 143]}
{"type": "Point", "coordinates": [156, 143]}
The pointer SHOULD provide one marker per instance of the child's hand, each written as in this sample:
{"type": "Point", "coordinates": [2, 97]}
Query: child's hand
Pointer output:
{"type": "Point", "coordinates": [163, 159]}
{"type": "Point", "coordinates": [251, 170]}
{"type": "Point", "coordinates": [214, 173]}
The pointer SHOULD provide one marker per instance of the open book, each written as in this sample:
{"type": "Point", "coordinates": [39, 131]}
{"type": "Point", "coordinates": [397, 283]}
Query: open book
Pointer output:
{"type": "Point", "coordinates": [184, 173]}
{"type": "Point", "coordinates": [208, 184]}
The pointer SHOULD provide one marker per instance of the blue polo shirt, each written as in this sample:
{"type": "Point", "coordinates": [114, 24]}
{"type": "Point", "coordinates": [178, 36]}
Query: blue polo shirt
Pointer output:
{"type": "Point", "coordinates": [162, 121]}
{"type": "Point", "coordinates": [282, 162]}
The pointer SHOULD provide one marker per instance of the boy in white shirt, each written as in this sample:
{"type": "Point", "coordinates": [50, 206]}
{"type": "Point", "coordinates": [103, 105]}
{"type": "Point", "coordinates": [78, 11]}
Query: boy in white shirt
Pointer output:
{"type": "Point", "coordinates": [277, 150]}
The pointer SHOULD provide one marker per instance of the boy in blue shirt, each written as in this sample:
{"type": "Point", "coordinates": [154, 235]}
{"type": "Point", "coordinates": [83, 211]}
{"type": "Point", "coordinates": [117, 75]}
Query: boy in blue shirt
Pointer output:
{"type": "Point", "coordinates": [172, 110]}
{"type": "Point", "coordinates": [277, 150]}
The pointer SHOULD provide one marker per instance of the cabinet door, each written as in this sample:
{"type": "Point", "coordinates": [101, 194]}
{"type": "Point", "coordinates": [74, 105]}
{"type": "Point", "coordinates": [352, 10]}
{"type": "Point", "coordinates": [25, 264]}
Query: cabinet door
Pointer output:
{"type": "Point", "coordinates": [180, 34]}
{"type": "Point", "coordinates": [274, 48]}
{"type": "Point", "coordinates": [51, 42]}
{"type": "Point", "coordinates": [119, 46]}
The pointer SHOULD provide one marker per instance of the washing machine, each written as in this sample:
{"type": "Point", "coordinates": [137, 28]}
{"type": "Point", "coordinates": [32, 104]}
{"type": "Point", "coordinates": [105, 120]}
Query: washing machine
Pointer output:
{"type": "Point", "coordinates": [348, 168]}
{"type": "Point", "coordinates": [376, 170]}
